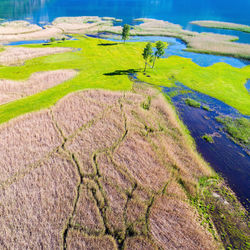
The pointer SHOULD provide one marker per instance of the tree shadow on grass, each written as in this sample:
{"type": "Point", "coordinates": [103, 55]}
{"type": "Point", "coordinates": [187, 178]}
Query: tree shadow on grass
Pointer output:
{"type": "Point", "coordinates": [122, 72]}
{"type": "Point", "coordinates": [107, 44]}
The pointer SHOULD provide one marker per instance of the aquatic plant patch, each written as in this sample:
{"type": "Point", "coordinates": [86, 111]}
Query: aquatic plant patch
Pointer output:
{"type": "Point", "coordinates": [238, 129]}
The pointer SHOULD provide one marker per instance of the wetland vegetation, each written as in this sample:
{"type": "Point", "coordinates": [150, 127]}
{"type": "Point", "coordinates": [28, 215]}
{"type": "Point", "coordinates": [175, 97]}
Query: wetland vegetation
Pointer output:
{"type": "Point", "coordinates": [112, 147]}
{"type": "Point", "coordinates": [223, 25]}
{"type": "Point", "coordinates": [238, 129]}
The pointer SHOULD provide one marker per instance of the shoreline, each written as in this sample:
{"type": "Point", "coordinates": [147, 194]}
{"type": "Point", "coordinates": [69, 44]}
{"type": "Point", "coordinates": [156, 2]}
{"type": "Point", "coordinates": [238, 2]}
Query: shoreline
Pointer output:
{"type": "Point", "coordinates": [210, 43]}
{"type": "Point", "coordinates": [222, 25]}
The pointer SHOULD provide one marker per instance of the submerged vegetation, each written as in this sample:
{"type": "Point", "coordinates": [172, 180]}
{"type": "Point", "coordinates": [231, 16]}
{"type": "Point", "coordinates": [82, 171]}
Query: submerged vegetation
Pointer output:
{"type": "Point", "coordinates": [220, 208]}
{"type": "Point", "coordinates": [238, 129]}
{"type": "Point", "coordinates": [192, 103]}
{"type": "Point", "coordinates": [208, 138]}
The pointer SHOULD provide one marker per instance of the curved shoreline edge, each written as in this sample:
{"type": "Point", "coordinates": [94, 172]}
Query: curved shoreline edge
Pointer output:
{"type": "Point", "coordinates": [197, 42]}
{"type": "Point", "coordinates": [222, 25]}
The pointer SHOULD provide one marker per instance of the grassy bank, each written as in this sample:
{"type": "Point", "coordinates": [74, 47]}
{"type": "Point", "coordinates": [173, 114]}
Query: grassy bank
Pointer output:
{"type": "Point", "coordinates": [103, 64]}
{"type": "Point", "coordinates": [220, 80]}
{"type": "Point", "coordinates": [100, 64]}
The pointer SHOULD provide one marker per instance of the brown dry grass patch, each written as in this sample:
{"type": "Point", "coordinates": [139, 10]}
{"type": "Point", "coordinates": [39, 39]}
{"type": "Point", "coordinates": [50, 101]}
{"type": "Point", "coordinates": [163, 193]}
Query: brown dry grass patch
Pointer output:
{"type": "Point", "coordinates": [17, 55]}
{"type": "Point", "coordinates": [136, 155]}
{"type": "Point", "coordinates": [35, 208]}
{"type": "Point", "coordinates": [40, 81]}
{"type": "Point", "coordinates": [115, 182]}
{"type": "Point", "coordinates": [98, 137]}
{"type": "Point", "coordinates": [77, 240]}
{"type": "Point", "coordinates": [139, 243]}
{"type": "Point", "coordinates": [110, 171]}
{"type": "Point", "coordinates": [87, 216]}
{"type": "Point", "coordinates": [25, 141]}
{"type": "Point", "coordinates": [174, 225]}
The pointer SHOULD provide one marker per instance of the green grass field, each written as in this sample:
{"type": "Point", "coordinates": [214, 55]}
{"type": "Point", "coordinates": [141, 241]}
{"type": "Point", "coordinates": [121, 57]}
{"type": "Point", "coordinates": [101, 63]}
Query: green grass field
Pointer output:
{"type": "Point", "coordinates": [105, 65]}
{"type": "Point", "coordinates": [220, 80]}
{"type": "Point", "coordinates": [92, 62]}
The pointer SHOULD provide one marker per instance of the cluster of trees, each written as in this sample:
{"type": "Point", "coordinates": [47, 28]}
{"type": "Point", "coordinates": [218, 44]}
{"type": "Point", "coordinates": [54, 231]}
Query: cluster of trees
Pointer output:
{"type": "Point", "coordinates": [148, 54]}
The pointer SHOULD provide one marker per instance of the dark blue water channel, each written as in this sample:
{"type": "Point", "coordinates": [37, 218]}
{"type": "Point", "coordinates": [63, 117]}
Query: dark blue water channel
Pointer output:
{"type": "Point", "coordinates": [227, 158]}
{"type": "Point", "coordinates": [180, 12]}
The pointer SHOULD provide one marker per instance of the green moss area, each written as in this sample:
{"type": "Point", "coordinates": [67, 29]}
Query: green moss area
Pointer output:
{"type": "Point", "coordinates": [101, 64]}
{"type": "Point", "coordinates": [220, 208]}
{"type": "Point", "coordinates": [105, 65]}
{"type": "Point", "coordinates": [208, 138]}
{"type": "Point", "coordinates": [192, 103]}
{"type": "Point", "coordinates": [220, 80]}
{"type": "Point", "coordinates": [238, 129]}
{"type": "Point", "coordinates": [205, 107]}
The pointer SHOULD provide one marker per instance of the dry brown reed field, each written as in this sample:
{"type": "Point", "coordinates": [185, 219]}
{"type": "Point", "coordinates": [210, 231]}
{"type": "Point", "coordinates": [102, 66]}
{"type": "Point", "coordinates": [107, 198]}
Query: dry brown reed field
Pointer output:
{"type": "Point", "coordinates": [38, 82]}
{"type": "Point", "coordinates": [17, 55]}
{"type": "Point", "coordinates": [99, 171]}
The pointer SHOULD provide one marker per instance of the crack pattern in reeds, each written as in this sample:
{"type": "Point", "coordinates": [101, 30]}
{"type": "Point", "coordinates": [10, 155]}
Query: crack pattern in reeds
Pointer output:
{"type": "Point", "coordinates": [119, 180]}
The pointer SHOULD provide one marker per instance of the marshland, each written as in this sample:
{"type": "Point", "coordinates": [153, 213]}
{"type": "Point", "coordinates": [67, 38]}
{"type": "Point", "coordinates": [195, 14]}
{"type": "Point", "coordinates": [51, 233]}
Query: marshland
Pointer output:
{"type": "Point", "coordinates": [115, 139]}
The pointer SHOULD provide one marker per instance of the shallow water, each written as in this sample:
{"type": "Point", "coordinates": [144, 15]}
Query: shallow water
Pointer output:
{"type": "Point", "coordinates": [180, 12]}
{"type": "Point", "coordinates": [247, 85]}
{"type": "Point", "coordinates": [27, 42]}
{"type": "Point", "coordinates": [226, 157]}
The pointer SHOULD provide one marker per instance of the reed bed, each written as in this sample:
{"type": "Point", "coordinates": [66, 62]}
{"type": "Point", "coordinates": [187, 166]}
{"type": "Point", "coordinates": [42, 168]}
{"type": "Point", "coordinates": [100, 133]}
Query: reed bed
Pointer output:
{"type": "Point", "coordinates": [93, 173]}
{"type": "Point", "coordinates": [18, 55]}
{"type": "Point", "coordinates": [38, 82]}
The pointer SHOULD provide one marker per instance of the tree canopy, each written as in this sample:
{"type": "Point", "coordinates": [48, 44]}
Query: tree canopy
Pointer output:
{"type": "Point", "coordinates": [125, 32]}
{"type": "Point", "coordinates": [160, 50]}
{"type": "Point", "coordinates": [147, 54]}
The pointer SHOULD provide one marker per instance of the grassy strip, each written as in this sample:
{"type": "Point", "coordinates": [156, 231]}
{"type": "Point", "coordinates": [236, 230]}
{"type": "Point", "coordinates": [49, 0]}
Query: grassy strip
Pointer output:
{"type": "Point", "coordinates": [192, 103]}
{"type": "Point", "coordinates": [238, 129]}
{"type": "Point", "coordinates": [220, 80]}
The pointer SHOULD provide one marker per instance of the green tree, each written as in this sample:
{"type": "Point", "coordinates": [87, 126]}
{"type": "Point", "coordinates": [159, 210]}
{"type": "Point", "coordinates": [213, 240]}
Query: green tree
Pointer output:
{"type": "Point", "coordinates": [147, 54]}
{"type": "Point", "coordinates": [125, 32]}
{"type": "Point", "coordinates": [52, 39]}
{"type": "Point", "coordinates": [160, 51]}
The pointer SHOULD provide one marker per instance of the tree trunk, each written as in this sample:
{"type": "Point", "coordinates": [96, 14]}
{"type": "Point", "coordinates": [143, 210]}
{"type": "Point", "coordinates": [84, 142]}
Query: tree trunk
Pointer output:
{"type": "Point", "coordinates": [145, 66]}
{"type": "Point", "coordinates": [154, 62]}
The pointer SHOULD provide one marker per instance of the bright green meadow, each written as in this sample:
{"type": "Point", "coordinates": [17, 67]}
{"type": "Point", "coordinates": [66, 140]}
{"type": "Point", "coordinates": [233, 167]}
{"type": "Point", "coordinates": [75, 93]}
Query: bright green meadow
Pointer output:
{"type": "Point", "coordinates": [105, 65]}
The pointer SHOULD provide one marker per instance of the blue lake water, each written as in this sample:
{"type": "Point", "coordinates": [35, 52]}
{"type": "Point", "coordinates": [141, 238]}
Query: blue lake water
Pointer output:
{"type": "Point", "coordinates": [180, 12]}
